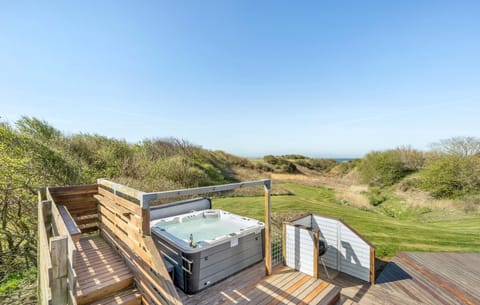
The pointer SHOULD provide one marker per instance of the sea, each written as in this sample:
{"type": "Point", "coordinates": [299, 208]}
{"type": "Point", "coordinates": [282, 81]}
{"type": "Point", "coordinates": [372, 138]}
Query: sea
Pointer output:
{"type": "Point", "coordinates": [340, 160]}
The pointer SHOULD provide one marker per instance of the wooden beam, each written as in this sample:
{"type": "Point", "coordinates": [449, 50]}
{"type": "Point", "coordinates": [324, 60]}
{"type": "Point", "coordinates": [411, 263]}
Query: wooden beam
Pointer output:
{"type": "Point", "coordinates": [72, 227]}
{"type": "Point", "coordinates": [148, 197]}
{"type": "Point", "coordinates": [268, 245]}
{"type": "Point", "coordinates": [44, 260]}
{"type": "Point", "coordinates": [58, 252]}
{"type": "Point", "coordinates": [60, 229]}
{"type": "Point", "coordinates": [284, 243]}
{"type": "Point", "coordinates": [315, 252]}
{"type": "Point", "coordinates": [116, 187]}
{"type": "Point", "coordinates": [372, 265]}
{"type": "Point", "coordinates": [146, 222]}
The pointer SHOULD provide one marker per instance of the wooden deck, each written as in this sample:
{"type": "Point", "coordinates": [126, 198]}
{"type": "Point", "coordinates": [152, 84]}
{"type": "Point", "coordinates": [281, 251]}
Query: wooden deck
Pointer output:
{"type": "Point", "coordinates": [428, 278]}
{"type": "Point", "coordinates": [102, 276]}
{"type": "Point", "coordinates": [284, 286]}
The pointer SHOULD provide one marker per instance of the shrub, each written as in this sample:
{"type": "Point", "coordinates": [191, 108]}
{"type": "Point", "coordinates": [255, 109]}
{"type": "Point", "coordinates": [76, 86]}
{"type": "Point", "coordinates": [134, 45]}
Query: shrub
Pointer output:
{"type": "Point", "coordinates": [345, 167]}
{"type": "Point", "coordinates": [412, 159]}
{"type": "Point", "coordinates": [450, 176]}
{"type": "Point", "coordinates": [280, 164]}
{"type": "Point", "coordinates": [382, 168]}
{"type": "Point", "coordinates": [376, 196]}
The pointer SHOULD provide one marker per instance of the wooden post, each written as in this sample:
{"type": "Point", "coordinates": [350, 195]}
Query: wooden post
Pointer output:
{"type": "Point", "coordinates": [44, 262]}
{"type": "Point", "coordinates": [59, 252]}
{"type": "Point", "coordinates": [284, 243]}
{"type": "Point", "coordinates": [146, 221]}
{"type": "Point", "coordinates": [372, 265]}
{"type": "Point", "coordinates": [145, 205]}
{"type": "Point", "coordinates": [315, 253]}
{"type": "Point", "coordinates": [268, 246]}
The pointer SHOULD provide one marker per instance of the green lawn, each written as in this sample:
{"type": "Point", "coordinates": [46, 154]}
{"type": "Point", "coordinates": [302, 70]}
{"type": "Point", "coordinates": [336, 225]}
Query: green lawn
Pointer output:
{"type": "Point", "coordinates": [388, 234]}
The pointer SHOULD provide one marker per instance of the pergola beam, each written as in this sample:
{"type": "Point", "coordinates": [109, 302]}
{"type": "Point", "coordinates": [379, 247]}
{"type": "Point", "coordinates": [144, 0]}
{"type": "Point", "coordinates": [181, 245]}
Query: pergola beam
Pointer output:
{"type": "Point", "coordinates": [149, 197]}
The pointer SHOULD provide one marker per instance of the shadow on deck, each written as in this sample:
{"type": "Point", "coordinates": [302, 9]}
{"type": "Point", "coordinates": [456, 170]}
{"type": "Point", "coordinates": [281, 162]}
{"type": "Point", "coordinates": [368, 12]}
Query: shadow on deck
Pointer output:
{"type": "Point", "coordinates": [284, 286]}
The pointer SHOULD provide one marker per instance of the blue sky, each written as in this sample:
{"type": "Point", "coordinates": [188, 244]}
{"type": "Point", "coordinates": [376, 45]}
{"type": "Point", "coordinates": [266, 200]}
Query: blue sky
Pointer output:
{"type": "Point", "coordinates": [323, 78]}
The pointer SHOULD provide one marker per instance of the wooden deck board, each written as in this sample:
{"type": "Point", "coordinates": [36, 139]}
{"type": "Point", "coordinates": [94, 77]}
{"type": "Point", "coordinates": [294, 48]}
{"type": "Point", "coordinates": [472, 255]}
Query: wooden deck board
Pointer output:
{"type": "Point", "coordinates": [100, 272]}
{"type": "Point", "coordinates": [428, 278]}
{"type": "Point", "coordinates": [284, 286]}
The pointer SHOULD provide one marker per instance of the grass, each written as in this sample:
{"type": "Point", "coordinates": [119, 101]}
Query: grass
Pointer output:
{"type": "Point", "coordinates": [389, 234]}
{"type": "Point", "coordinates": [13, 281]}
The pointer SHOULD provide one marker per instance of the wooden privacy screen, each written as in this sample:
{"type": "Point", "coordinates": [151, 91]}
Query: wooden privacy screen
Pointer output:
{"type": "Point", "coordinates": [125, 225]}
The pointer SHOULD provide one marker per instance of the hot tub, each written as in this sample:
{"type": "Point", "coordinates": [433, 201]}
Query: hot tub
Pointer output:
{"type": "Point", "coordinates": [207, 246]}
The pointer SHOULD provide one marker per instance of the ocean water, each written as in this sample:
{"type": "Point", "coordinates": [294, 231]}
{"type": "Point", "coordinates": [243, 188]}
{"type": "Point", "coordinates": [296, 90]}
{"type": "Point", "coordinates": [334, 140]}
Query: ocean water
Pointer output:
{"type": "Point", "coordinates": [339, 160]}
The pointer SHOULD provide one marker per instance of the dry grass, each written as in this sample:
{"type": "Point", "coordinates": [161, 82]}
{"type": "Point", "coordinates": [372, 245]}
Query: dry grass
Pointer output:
{"type": "Point", "coordinates": [421, 199]}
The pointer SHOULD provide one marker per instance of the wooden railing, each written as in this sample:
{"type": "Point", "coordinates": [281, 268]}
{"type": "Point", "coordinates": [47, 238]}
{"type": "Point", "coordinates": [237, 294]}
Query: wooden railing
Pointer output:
{"type": "Point", "coordinates": [80, 204]}
{"type": "Point", "coordinates": [122, 216]}
{"type": "Point", "coordinates": [57, 251]}
{"type": "Point", "coordinates": [126, 226]}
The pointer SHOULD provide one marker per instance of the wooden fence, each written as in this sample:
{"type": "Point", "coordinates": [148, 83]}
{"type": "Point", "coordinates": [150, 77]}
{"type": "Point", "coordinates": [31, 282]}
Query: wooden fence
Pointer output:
{"type": "Point", "coordinates": [126, 225]}
{"type": "Point", "coordinates": [65, 213]}
{"type": "Point", "coordinates": [56, 252]}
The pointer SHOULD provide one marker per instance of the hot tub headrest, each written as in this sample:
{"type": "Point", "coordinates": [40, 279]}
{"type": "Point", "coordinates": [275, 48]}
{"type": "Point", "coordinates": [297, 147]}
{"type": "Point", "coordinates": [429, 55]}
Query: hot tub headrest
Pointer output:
{"type": "Point", "coordinates": [180, 207]}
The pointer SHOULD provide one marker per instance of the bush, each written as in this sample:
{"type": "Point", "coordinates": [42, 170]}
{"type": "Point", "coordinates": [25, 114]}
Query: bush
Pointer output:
{"type": "Point", "coordinates": [450, 176]}
{"type": "Point", "coordinates": [280, 164]}
{"type": "Point", "coordinates": [382, 168]}
{"type": "Point", "coordinates": [321, 165]}
{"type": "Point", "coordinates": [345, 167]}
{"type": "Point", "coordinates": [376, 196]}
{"type": "Point", "coordinates": [412, 159]}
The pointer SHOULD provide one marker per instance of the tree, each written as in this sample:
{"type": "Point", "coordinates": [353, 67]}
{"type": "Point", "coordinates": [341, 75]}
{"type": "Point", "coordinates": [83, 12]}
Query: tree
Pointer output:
{"type": "Point", "coordinates": [461, 146]}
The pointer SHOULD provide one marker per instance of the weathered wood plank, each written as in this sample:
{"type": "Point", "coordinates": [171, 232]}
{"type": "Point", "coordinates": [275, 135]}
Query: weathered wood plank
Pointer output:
{"type": "Point", "coordinates": [59, 251]}
{"type": "Point", "coordinates": [268, 246]}
{"type": "Point", "coordinates": [315, 253]}
{"type": "Point", "coordinates": [135, 208]}
{"type": "Point", "coordinates": [73, 189]}
{"type": "Point", "coordinates": [45, 273]}
{"type": "Point", "coordinates": [72, 227]}
{"type": "Point", "coordinates": [163, 285]}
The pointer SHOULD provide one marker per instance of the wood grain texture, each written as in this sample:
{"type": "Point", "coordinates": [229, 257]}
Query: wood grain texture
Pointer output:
{"type": "Point", "coordinates": [428, 278]}
{"type": "Point", "coordinates": [283, 286]}
{"type": "Point", "coordinates": [100, 271]}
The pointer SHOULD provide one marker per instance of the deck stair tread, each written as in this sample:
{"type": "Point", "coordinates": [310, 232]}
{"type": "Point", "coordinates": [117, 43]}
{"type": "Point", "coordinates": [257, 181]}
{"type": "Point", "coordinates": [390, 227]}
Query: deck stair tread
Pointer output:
{"type": "Point", "coordinates": [126, 297]}
{"type": "Point", "coordinates": [101, 273]}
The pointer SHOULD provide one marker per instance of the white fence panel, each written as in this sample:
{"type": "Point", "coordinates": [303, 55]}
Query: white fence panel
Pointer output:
{"type": "Point", "coordinates": [299, 249]}
{"type": "Point", "coordinates": [347, 251]}
{"type": "Point", "coordinates": [355, 255]}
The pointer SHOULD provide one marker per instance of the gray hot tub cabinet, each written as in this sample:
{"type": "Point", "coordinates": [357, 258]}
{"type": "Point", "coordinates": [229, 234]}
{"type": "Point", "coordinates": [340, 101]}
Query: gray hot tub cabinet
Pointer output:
{"type": "Point", "coordinates": [199, 269]}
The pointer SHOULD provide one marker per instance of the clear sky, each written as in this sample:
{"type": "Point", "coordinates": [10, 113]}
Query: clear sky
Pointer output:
{"type": "Point", "coordinates": [323, 78]}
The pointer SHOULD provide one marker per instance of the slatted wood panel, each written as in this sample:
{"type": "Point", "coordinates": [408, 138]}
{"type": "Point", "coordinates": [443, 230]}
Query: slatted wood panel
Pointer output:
{"type": "Point", "coordinates": [80, 203]}
{"type": "Point", "coordinates": [100, 271]}
{"type": "Point", "coordinates": [284, 286]}
{"type": "Point", "coordinates": [121, 223]}
{"type": "Point", "coordinates": [428, 278]}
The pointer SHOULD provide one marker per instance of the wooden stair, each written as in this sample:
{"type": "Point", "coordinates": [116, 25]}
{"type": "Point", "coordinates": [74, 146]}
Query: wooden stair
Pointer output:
{"type": "Point", "coordinates": [103, 278]}
{"type": "Point", "coordinates": [126, 297]}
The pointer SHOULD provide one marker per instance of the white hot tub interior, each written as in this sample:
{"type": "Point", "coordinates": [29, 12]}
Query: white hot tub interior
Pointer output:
{"type": "Point", "coordinates": [206, 226]}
